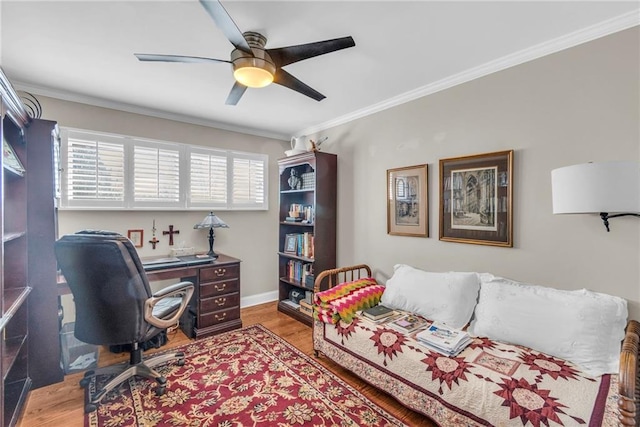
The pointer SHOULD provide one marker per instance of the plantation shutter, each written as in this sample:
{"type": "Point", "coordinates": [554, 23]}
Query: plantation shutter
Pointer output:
{"type": "Point", "coordinates": [208, 179]}
{"type": "Point", "coordinates": [156, 172]}
{"type": "Point", "coordinates": [248, 182]}
{"type": "Point", "coordinates": [100, 170]}
{"type": "Point", "coordinates": [95, 171]}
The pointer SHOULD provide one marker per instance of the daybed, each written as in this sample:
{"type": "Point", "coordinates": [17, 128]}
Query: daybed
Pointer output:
{"type": "Point", "coordinates": [490, 382]}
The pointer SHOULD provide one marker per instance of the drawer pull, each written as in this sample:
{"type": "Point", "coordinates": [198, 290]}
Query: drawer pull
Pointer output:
{"type": "Point", "coordinates": [220, 301]}
{"type": "Point", "coordinates": [220, 272]}
{"type": "Point", "coordinates": [221, 288]}
{"type": "Point", "coordinates": [219, 318]}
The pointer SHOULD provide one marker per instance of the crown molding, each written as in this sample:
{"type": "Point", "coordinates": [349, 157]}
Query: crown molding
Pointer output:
{"type": "Point", "coordinates": [129, 108]}
{"type": "Point", "coordinates": [602, 29]}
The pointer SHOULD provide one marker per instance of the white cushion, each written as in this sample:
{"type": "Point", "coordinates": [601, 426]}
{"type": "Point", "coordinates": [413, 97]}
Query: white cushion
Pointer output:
{"type": "Point", "coordinates": [580, 326]}
{"type": "Point", "coordinates": [444, 297]}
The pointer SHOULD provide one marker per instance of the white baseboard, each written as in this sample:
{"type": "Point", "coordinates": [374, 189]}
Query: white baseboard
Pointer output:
{"type": "Point", "coordinates": [258, 299]}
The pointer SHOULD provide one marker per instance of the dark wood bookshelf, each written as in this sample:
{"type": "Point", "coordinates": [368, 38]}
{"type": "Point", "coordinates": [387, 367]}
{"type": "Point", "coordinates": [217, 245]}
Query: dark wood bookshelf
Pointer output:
{"type": "Point", "coordinates": [30, 350]}
{"type": "Point", "coordinates": [318, 172]}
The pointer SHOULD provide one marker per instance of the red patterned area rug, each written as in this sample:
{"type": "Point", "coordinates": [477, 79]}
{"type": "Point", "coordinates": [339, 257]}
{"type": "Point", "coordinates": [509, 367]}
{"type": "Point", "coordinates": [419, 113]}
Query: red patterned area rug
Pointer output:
{"type": "Point", "coordinates": [247, 377]}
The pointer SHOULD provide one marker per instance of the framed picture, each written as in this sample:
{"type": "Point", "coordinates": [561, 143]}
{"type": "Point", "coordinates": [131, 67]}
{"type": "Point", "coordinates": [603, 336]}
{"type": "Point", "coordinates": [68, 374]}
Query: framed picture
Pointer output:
{"type": "Point", "coordinates": [10, 159]}
{"type": "Point", "coordinates": [136, 237]}
{"type": "Point", "coordinates": [290, 243]}
{"type": "Point", "coordinates": [476, 199]}
{"type": "Point", "coordinates": [407, 206]}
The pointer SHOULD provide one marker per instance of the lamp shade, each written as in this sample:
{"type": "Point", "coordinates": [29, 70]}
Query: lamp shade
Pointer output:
{"type": "Point", "coordinates": [211, 221]}
{"type": "Point", "coordinates": [596, 187]}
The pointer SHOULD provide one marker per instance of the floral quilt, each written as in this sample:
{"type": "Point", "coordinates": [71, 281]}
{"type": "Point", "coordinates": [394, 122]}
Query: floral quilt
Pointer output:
{"type": "Point", "coordinates": [488, 384]}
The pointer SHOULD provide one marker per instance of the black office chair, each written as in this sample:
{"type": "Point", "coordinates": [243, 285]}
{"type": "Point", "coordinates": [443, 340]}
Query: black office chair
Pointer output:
{"type": "Point", "coordinates": [115, 306]}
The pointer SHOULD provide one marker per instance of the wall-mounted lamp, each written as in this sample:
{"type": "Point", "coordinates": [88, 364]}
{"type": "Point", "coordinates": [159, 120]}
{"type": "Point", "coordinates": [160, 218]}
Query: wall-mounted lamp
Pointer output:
{"type": "Point", "coordinates": [600, 188]}
{"type": "Point", "coordinates": [211, 221]}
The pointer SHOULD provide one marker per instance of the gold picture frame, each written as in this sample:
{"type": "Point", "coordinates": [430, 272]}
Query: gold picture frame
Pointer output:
{"type": "Point", "coordinates": [476, 199]}
{"type": "Point", "coordinates": [136, 237]}
{"type": "Point", "coordinates": [407, 202]}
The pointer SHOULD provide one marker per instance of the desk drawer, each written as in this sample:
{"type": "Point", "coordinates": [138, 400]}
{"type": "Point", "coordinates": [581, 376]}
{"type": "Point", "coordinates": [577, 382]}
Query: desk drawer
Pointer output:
{"type": "Point", "coordinates": [219, 288]}
{"type": "Point", "coordinates": [222, 272]}
{"type": "Point", "coordinates": [218, 317]}
{"type": "Point", "coordinates": [219, 302]}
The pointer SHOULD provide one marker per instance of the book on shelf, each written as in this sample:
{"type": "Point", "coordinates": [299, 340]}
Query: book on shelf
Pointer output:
{"type": "Point", "coordinates": [377, 312]}
{"type": "Point", "coordinates": [443, 339]}
{"type": "Point", "coordinates": [298, 212]}
{"type": "Point", "coordinates": [298, 271]}
{"type": "Point", "coordinates": [291, 304]}
{"type": "Point", "coordinates": [299, 244]}
{"type": "Point", "coordinates": [408, 323]}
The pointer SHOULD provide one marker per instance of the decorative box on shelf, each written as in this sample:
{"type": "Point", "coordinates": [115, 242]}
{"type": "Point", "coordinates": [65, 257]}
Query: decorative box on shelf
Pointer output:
{"type": "Point", "coordinates": [306, 308]}
{"type": "Point", "coordinates": [308, 180]}
{"type": "Point", "coordinates": [309, 281]}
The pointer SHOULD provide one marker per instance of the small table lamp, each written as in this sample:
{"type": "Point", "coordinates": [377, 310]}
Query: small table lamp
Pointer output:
{"type": "Point", "coordinates": [211, 221]}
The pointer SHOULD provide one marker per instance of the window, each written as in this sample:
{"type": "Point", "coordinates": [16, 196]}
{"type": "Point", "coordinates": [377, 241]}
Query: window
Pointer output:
{"type": "Point", "coordinates": [111, 171]}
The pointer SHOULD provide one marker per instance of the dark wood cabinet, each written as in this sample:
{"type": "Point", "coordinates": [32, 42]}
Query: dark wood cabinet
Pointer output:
{"type": "Point", "coordinates": [30, 350]}
{"type": "Point", "coordinates": [215, 305]}
{"type": "Point", "coordinates": [14, 286]}
{"type": "Point", "coordinates": [307, 226]}
{"type": "Point", "coordinates": [44, 328]}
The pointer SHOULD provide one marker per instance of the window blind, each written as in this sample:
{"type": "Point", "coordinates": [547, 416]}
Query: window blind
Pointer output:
{"type": "Point", "coordinates": [120, 172]}
{"type": "Point", "coordinates": [95, 170]}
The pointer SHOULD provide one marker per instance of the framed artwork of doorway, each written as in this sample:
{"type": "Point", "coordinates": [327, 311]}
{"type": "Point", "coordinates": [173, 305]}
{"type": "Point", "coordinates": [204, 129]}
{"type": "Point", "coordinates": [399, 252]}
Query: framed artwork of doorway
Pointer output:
{"type": "Point", "coordinates": [407, 205]}
{"type": "Point", "coordinates": [476, 199]}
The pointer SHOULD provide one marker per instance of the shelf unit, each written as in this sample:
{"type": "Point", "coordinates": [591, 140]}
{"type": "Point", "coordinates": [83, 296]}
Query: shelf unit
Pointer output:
{"type": "Point", "coordinates": [14, 285]}
{"type": "Point", "coordinates": [28, 266]}
{"type": "Point", "coordinates": [313, 191]}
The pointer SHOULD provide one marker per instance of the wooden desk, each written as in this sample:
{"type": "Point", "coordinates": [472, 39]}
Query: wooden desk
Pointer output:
{"type": "Point", "coordinates": [215, 305]}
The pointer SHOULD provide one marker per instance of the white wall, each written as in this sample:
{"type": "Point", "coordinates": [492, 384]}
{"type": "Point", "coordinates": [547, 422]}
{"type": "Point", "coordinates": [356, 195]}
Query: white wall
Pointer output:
{"type": "Point", "coordinates": [575, 106]}
{"type": "Point", "coordinates": [572, 107]}
{"type": "Point", "coordinates": [252, 236]}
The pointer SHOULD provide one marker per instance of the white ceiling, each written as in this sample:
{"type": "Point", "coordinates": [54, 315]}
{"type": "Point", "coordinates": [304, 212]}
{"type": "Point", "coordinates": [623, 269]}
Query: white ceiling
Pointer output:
{"type": "Point", "coordinates": [83, 51]}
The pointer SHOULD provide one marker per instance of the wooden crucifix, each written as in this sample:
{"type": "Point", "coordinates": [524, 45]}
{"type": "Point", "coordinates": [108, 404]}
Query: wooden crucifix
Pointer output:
{"type": "Point", "coordinates": [171, 232]}
{"type": "Point", "coordinates": [154, 242]}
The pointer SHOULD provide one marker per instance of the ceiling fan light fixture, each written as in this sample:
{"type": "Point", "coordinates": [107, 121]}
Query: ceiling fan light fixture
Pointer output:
{"type": "Point", "coordinates": [253, 72]}
{"type": "Point", "coordinates": [253, 77]}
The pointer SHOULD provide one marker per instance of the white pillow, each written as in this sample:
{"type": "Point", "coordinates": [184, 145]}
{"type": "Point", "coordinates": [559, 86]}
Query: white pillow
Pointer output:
{"type": "Point", "coordinates": [581, 326]}
{"type": "Point", "coordinates": [444, 297]}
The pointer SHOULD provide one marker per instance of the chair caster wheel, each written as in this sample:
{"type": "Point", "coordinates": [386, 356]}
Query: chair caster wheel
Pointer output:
{"type": "Point", "coordinates": [181, 362]}
{"type": "Point", "coordinates": [160, 390]}
{"type": "Point", "coordinates": [85, 382]}
{"type": "Point", "coordinates": [90, 407]}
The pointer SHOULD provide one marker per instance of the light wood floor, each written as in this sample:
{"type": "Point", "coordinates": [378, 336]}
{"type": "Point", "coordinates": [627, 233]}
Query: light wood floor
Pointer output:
{"type": "Point", "coordinates": [62, 404]}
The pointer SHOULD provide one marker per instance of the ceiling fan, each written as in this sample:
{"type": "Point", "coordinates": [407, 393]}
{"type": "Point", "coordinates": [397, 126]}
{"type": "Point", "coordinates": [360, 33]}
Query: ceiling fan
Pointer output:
{"type": "Point", "coordinates": [253, 65]}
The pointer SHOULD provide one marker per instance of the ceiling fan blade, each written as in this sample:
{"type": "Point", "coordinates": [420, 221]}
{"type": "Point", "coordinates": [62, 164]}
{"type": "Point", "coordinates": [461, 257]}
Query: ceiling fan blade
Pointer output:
{"type": "Point", "coordinates": [288, 55]}
{"type": "Point", "coordinates": [225, 23]}
{"type": "Point", "coordinates": [236, 93]}
{"type": "Point", "coordinates": [175, 58]}
{"type": "Point", "coordinates": [287, 80]}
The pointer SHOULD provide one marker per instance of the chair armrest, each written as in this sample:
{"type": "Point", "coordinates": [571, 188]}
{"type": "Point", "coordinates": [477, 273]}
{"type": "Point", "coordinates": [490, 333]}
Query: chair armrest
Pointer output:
{"type": "Point", "coordinates": [172, 288]}
{"type": "Point", "coordinates": [182, 289]}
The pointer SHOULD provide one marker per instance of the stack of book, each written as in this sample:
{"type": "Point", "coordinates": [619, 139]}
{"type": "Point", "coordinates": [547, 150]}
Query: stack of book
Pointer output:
{"type": "Point", "coordinates": [408, 323]}
{"type": "Point", "coordinates": [443, 339]}
{"type": "Point", "coordinates": [377, 312]}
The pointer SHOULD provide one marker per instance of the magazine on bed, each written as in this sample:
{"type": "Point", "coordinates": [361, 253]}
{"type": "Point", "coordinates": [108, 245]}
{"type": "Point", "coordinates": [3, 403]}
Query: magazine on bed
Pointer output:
{"type": "Point", "coordinates": [443, 339]}
{"type": "Point", "coordinates": [408, 323]}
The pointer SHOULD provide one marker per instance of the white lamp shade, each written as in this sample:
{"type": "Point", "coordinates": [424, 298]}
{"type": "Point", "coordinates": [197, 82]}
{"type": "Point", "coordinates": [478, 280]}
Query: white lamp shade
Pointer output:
{"type": "Point", "coordinates": [596, 187]}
